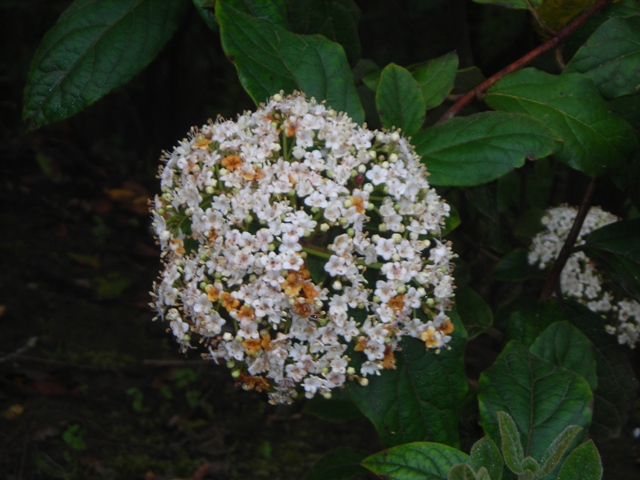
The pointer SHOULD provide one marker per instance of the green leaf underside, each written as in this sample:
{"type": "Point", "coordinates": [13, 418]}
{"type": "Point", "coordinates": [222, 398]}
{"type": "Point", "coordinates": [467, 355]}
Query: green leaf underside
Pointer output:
{"type": "Point", "coordinates": [482, 147]}
{"type": "Point", "coordinates": [436, 78]}
{"type": "Point", "coordinates": [613, 399]}
{"type": "Point", "coordinates": [518, 4]}
{"type": "Point", "coordinates": [485, 453]}
{"type": "Point", "coordinates": [94, 47]}
{"type": "Point", "coordinates": [338, 464]}
{"type": "Point", "coordinates": [269, 59]}
{"type": "Point", "coordinates": [611, 57]}
{"type": "Point", "coordinates": [594, 139]}
{"type": "Point", "coordinates": [335, 19]}
{"type": "Point", "coordinates": [416, 461]}
{"type": "Point", "coordinates": [583, 463]}
{"type": "Point", "coordinates": [565, 346]}
{"type": "Point", "coordinates": [557, 449]}
{"type": "Point", "coordinates": [615, 248]}
{"type": "Point", "coordinates": [511, 443]}
{"type": "Point", "coordinates": [461, 471]}
{"type": "Point", "coordinates": [541, 398]}
{"type": "Point", "coordinates": [476, 315]}
{"type": "Point", "coordinates": [399, 100]}
{"type": "Point", "coordinates": [421, 398]}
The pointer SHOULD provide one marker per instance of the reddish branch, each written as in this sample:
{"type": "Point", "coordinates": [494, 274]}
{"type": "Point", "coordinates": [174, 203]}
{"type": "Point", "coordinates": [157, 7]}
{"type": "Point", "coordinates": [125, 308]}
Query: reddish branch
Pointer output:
{"type": "Point", "coordinates": [567, 248]}
{"type": "Point", "coordinates": [523, 61]}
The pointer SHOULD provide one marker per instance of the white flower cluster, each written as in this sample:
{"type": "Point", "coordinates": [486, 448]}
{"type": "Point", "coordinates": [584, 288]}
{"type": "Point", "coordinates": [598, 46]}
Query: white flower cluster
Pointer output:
{"type": "Point", "coordinates": [291, 238]}
{"type": "Point", "coordinates": [579, 279]}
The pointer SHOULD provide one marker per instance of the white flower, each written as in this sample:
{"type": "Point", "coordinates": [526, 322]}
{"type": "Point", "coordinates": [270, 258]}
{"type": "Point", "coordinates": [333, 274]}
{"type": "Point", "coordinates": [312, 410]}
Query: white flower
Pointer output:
{"type": "Point", "coordinates": [290, 234]}
{"type": "Point", "coordinates": [579, 279]}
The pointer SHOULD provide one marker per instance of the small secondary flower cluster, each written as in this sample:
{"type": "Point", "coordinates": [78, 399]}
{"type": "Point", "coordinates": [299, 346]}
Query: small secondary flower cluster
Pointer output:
{"type": "Point", "coordinates": [291, 235]}
{"type": "Point", "coordinates": [580, 279]}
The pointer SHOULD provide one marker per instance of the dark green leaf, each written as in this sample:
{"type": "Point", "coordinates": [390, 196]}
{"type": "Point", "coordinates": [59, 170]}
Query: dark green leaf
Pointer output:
{"type": "Point", "coordinates": [205, 10]}
{"type": "Point", "coordinates": [514, 267]}
{"type": "Point", "coordinates": [627, 107]}
{"type": "Point", "coordinates": [474, 312]}
{"type": "Point", "coordinates": [436, 78]}
{"type": "Point", "coordinates": [480, 148]}
{"type": "Point", "coordinates": [615, 248]}
{"type": "Point", "coordinates": [541, 398]}
{"type": "Point", "coordinates": [511, 443]}
{"type": "Point", "coordinates": [399, 101]}
{"type": "Point", "coordinates": [416, 461]}
{"type": "Point", "coordinates": [335, 19]}
{"type": "Point", "coordinates": [94, 47]}
{"type": "Point", "coordinates": [269, 59]}
{"type": "Point", "coordinates": [611, 57]}
{"type": "Point", "coordinates": [467, 79]}
{"type": "Point", "coordinates": [557, 449]}
{"type": "Point", "coordinates": [274, 11]}
{"type": "Point", "coordinates": [583, 463]}
{"type": "Point", "coordinates": [421, 398]}
{"type": "Point", "coordinates": [521, 4]}
{"type": "Point", "coordinates": [595, 140]}
{"type": "Point", "coordinates": [565, 346]}
{"type": "Point", "coordinates": [462, 471]}
{"type": "Point", "coordinates": [617, 384]}
{"type": "Point", "coordinates": [485, 453]}
{"type": "Point", "coordinates": [527, 323]}
{"type": "Point", "coordinates": [530, 464]}
{"type": "Point", "coordinates": [339, 464]}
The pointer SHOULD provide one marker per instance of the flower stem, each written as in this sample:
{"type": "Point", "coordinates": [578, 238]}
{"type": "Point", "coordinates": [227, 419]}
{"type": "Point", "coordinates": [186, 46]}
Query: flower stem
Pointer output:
{"type": "Point", "coordinates": [523, 61]}
{"type": "Point", "coordinates": [567, 248]}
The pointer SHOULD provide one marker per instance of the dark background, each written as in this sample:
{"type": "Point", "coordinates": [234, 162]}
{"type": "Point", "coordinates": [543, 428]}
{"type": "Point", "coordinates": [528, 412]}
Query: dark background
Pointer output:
{"type": "Point", "coordinates": [90, 387]}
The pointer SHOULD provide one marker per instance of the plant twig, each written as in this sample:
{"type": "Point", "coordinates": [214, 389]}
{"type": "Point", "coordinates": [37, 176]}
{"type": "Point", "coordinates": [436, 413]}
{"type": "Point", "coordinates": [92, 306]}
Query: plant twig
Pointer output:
{"type": "Point", "coordinates": [567, 248]}
{"type": "Point", "coordinates": [26, 347]}
{"type": "Point", "coordinates": [524, 60]}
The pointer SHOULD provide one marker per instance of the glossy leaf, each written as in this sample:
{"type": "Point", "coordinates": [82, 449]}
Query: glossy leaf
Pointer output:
{"type": "Point", "coordinates": [335, 19]}
{"type": "Point", "coordinates": [480, 148]}
{"type": "Point", "coordinates": [611, 57]}
{"type": "Point", "coordinates": [485, 453]}
{"type": "Point", "coordinates": [416, 461]}
{"type": "Point", "coordinates": [399, 100]}
{"type": "Point", "coordinates": [583, 463]}
{"type": "Point", "coordinates": [511, 443]}
{"type": "Point", "coordinates": [338, 464]}
{"type": "Point", "coordinates": [615, 248]}
{"type": "Point", "coordinates": [269, 59]}
{"type": "Point", "coordinates": [421, 398]}
{"type": "Point", "coordinates": [474, 312]}
{"type": "Point", "coordinates": [565, 346]}
{"type": "Point", "coordinates": [595, 140]}
{"type": "Point", "coordinates": [613, 399]}
{"type": "Point", "coordinates": [436, 78]}
{"type": "Point", "coordinates": [462, 471]}
{"type": "Point", "coordinates": [557, 449]}
{"type": "Point", "coordinates": [541, 398]}
{"type": "Point", "coordinates": [94, 47]}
